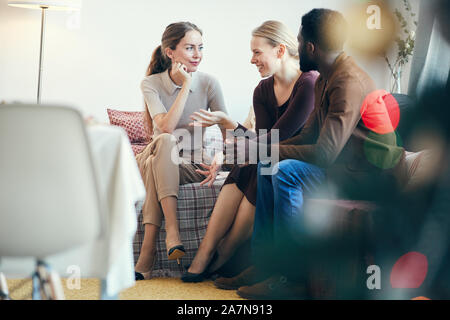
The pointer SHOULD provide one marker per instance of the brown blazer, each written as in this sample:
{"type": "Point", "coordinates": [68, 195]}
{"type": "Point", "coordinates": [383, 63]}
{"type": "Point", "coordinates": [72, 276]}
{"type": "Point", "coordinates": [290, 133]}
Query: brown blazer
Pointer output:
{"type": "Point", "coordinates": [336, 138]}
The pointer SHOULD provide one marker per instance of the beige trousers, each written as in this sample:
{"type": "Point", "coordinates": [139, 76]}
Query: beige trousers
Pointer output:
{"type": "Point", "coordinates": [163, 170]}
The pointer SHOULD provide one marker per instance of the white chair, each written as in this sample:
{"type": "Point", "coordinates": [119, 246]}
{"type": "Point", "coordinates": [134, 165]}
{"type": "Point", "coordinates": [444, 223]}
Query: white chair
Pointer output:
{"type": "Point", "coordinates": [49, 199]}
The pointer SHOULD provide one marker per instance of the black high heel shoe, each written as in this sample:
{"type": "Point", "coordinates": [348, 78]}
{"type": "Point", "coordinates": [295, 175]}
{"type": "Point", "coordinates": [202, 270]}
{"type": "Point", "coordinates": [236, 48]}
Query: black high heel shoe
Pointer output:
{"type": "Point", "coordinates": [143, 275]}
{"type": "Point", "coordinates": [175, 253]}
{"type": "Point", "coordinates": [199, 277]}
{"type": "Point", "coordinates": [138, 276]}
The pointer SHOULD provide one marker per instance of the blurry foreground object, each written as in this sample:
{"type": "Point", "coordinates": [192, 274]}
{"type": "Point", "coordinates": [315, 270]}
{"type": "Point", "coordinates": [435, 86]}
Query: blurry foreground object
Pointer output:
{"type": "Point", "coordinates": [49, 199]}
{"type": "Point", "coordinates": [372, 28]}
{"type": "Point", "coordinates": [419, 221]}
{"type": "Point", "coordinates": [376, 30]}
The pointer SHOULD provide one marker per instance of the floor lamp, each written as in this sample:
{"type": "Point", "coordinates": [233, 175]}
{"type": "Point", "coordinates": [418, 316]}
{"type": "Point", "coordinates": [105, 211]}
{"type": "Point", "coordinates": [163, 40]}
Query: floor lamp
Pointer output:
{"type": "Point", "coordinates": [44, 6]}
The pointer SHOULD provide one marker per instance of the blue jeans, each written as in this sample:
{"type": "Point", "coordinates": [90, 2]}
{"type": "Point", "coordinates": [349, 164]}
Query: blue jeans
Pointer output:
{"type": "Point", "coordinates": [278, 223]}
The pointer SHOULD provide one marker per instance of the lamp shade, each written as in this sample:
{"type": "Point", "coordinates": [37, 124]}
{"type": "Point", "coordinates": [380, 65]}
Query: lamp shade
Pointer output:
{"type": "Point", "coordinates": [50, 5]}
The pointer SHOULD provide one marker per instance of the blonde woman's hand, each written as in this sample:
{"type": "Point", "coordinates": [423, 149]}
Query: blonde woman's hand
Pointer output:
{"type": "Point", "coordinates": [204, 118]}
{"type": "Point", "coordinates": [179, 73]}
{"type": "Point", "coordinates": [211, 171]}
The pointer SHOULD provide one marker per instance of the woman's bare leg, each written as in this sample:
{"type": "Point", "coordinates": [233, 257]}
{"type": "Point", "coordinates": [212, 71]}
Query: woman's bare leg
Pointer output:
{"type": "Point", "coordinates": [221, 219]}
{"type": "Point", "coordinates": [240, 231]}
{"type": "Point", "coordinates": [148, 250]}
{"type": "Point", "coordinates": [169, 208]}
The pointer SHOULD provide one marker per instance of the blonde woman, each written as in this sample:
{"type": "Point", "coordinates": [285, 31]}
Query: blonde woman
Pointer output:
{"type": "Point", "coordinates": [282, 101]}
{"type": "Point", "coordinates": [173, 89]}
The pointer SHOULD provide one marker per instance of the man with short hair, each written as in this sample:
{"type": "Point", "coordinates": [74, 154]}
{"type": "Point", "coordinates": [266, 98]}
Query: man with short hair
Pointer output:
{"type": "Point", "coordinates": [334, 144]}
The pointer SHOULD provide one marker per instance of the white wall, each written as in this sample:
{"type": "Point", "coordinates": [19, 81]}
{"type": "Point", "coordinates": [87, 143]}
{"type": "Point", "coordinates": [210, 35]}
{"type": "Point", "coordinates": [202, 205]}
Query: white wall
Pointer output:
{"type": "Point", "coordinates": [101, 63]}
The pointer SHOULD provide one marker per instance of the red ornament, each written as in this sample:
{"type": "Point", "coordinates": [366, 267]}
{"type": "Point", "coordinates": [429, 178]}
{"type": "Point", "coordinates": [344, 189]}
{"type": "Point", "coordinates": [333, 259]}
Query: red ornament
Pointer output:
{"type": "Point", "coordinates": [380, 112]}
{"type": "Point", "coordinates": [409, 271]}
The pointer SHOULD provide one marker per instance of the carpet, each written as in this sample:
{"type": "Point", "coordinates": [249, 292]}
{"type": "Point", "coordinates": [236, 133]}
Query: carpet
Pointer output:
{"type": "Point", "coordinates": [153, 289]}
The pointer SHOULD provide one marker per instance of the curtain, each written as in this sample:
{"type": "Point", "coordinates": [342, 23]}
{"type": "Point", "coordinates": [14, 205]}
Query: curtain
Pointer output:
{"type": "Point", "coordinates": [431, 60]}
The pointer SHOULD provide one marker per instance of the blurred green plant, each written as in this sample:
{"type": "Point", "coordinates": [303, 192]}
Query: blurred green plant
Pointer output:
{"type": "Point", "coordinates": [405, 41]}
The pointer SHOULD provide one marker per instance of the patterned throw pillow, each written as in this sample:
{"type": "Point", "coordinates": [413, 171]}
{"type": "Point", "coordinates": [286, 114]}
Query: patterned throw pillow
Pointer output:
{"type": "Point", "coordinates": [132, 122]}
{"type": "Point", "coordinates": [138, 147]}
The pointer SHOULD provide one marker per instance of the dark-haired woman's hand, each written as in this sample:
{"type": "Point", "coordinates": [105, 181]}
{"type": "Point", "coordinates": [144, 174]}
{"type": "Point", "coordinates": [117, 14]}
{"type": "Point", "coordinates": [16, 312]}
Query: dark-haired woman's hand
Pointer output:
{"type": "Point", "coordinates": [204, 118]}
{"type": "Point", "coordinates": [179, 74]}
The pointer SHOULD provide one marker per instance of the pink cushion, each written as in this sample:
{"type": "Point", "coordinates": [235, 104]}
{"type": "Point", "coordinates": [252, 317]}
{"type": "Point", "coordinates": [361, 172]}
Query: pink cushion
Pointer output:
{"type": "Point", "coordinates": [138, 147]}
{"type": "Point", "coordinates": [132, 122]}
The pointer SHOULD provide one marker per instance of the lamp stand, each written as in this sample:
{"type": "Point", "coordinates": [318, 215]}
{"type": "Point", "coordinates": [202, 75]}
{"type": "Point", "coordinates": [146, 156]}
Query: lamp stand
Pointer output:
{"type": "Point", "coordinates": [41, 54]}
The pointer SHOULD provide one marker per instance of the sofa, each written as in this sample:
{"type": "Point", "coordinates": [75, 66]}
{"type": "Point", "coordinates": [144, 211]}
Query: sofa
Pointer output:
{"type": "Point", "coordinates": [346, 219]}
{"type": "Point", "coordinates": [347, 226]}
{"type": "Point", "coordinates": [194, 204]}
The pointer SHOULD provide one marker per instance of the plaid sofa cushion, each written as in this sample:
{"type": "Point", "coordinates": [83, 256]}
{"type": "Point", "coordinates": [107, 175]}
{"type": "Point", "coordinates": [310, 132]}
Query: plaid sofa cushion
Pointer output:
{"type": "Point", "coordinates": [213, 140]}
{"type": "Point", "coordinates": [195, 204]}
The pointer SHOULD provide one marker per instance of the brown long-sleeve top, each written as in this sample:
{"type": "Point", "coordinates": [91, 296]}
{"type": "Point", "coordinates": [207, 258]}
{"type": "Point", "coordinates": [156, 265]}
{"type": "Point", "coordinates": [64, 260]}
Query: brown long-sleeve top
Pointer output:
{"type": "Point", "coordinates": [335, 133]}
{"type": "Point", "coordinates": [288, 118]}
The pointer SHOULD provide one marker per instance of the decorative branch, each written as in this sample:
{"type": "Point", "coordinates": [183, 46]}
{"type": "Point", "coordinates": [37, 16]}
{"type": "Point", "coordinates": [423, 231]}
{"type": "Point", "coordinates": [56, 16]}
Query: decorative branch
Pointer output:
{"type": "Point", "coordinates": [405, 45]}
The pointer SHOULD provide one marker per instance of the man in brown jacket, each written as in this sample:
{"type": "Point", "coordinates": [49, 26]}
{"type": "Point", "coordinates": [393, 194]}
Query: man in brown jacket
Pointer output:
{"type": "Point", "coordinates": [335, 145]}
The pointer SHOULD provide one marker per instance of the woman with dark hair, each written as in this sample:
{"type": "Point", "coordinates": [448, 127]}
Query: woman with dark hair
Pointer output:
{"type": "Point", "coordinates": [173, 89]}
